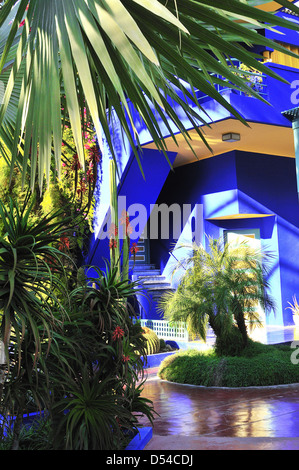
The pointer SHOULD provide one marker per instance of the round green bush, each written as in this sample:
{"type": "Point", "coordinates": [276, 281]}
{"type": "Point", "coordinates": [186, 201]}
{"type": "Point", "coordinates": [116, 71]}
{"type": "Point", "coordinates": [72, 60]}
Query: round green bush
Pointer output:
{"type": "Point", "coordinates": [259, 365]}
{"type": "Point", "coordinates": [230, 345]}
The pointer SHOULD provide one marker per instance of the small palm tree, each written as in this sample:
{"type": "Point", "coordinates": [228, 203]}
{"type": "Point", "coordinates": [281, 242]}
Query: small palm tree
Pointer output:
{"type": "Point", "coordinates": [221, 288]}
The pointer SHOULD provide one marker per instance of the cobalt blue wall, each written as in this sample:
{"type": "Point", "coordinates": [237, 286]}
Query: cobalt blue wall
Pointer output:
{"type": "Point", "coordinates": [187, 185]}
{"type": "Point", "coordinates": [137, 190]}
{"type": "Point", "coordinates": [243, 182]}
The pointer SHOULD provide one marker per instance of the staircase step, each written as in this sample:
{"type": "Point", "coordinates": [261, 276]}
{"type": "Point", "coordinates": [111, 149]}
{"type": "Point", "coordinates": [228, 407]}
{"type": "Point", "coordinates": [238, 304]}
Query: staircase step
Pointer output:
{"type": "Point", "coordinates": [142, 274]}
{"type": "Point", "coordinates": [156, 284]}
{"type": "Point", "coordinates": [159, 287]}
{"type": "Point", "coordinates": [150, 280]}
{"type": "Point", "coordinates": [148, 277]}
{"type": "Point", "coordinates": [143, 267]}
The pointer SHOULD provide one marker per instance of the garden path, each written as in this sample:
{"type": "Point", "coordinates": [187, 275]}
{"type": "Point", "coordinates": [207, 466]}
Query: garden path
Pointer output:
{"type": "Point", "coordinates": [193, 418]}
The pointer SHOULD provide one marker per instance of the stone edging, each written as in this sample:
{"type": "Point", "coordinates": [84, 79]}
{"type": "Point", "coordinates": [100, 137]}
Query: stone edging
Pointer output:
{"type": "Point", "coordinates": [141, 439]}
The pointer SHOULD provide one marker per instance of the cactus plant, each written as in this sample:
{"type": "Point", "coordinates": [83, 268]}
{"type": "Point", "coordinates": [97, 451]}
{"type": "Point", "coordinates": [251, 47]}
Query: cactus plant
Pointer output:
{"type": "Point", "coordinates": [152, 340]}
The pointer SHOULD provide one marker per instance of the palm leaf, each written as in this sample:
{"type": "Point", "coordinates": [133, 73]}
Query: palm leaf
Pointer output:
{"type": "Point", "coordinates": [118, 59]}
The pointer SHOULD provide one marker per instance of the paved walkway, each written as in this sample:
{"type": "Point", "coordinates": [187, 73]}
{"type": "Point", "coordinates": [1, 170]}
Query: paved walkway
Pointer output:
{"type": "Point", "coordinates": [197, 418]}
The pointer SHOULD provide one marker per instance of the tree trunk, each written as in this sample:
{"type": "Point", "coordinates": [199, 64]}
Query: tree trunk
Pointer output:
{"type": "Point", "coordinates": [17, 425]}
{"type": "Point", "coordinates": [240, 319]}
{"type": "Point", "coordinates": [213, 325]}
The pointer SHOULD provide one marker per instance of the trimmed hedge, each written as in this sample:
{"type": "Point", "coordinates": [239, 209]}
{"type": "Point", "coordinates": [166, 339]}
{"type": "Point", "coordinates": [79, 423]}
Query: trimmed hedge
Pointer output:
{"type": "Point", "coordinates": [259, 365]}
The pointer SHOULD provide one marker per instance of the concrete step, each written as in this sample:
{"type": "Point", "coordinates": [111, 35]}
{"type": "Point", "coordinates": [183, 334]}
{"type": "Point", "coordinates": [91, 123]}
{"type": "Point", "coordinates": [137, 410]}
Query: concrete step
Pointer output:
{"type": "Point", "coordinates": [142, 267]}
{"type": "Point", "coordinates": [149, 281]}
{"type": "Point", "coordinates": [147, 274]}
{"type": "Point", "coordinates": [159, 288]}
{"type": "Point", "coordinates": [154, 285]}
{"type": "Point", "coordinates": [149, 277]}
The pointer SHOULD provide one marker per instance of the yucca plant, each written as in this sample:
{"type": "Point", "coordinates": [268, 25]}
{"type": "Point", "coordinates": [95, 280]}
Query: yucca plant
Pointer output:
{"type": "Point", "coordinates": [221, 288]}
{"type": "Point", "coordinates": [31, 276]}
{"type": "Point", "coordinates": [94, 369]}
{"type": "Point", "coordinates": [93, 413]}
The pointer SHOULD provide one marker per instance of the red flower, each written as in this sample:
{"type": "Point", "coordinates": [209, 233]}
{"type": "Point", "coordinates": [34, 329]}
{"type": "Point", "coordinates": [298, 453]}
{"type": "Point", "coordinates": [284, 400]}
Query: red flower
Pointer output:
{"type": "Point", "coordinates": [22, 23]}
{"type": "Point", "coordinates": [118, 333]}
{"type": "Point", "coordinates": [89, 175]}
{"type": "Point", "coordinates": [125, 219]}
{"type": "Point", "coordinates": [94, 154]}
{"type": "Point", "coordinates": [134, 248]}
{"type": "Point", "coordinates": [76, 164]}
{"type": "Point", "coordinates": [112, 243]}
{"type": "Point", "coordinates": [129, 229]}
{"type": "Point", "coordinates": [113, 231]}
{"type": "Point", "coordinates": [64, 243]}
{"type": "Point", "coordinates": [125, 358]}
{"type": "Point", "coordinates": [82, 188]}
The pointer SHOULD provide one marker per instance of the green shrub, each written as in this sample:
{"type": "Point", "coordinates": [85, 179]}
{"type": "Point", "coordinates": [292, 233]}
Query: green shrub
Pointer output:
{"type": "Point", "coordinates": [260, 365]}
{"type": "Point", "coordinates": [231, 344]}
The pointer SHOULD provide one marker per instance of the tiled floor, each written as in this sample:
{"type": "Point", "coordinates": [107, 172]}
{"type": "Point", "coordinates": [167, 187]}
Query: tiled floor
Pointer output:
{"type": "Point", "coordinates": [209, 418]}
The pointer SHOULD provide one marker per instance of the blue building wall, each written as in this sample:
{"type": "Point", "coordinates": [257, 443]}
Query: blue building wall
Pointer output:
{"type": "Point", "coordinates": [222, 186]}
{"type": "Point", "coordinates": [242, 183]}
{"type": "Point", "coordinates": [134, 190]}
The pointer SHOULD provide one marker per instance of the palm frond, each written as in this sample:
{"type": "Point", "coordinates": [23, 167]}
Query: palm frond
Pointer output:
{"type": "Point", "coordinates": [118, 59]}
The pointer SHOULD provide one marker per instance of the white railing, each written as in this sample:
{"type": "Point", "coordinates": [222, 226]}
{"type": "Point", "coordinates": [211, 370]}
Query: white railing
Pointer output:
{"type": "Point", "coordinates": [166, 331]}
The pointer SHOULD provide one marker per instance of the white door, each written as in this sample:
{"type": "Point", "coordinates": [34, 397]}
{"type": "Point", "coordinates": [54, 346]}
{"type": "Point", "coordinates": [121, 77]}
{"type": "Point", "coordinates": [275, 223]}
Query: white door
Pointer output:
{"type": "Point", "coordinates": [252, 239]}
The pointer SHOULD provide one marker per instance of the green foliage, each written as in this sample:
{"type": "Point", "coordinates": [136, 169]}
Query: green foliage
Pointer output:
{"type": "Point", "coordinates": [71, 196]}
{"type": "Point", "coordinates": [80, 351]}
{"type": "Point", "coordinates": [153, 54]}
{"type": "Point", "coordinates": [28, 302]}
{"type": "Point", "coordinates": [230, 344]}
{"type": "Point", "coordinates": [28, 259]}
{"type": "Point", "coordinates": [32, 437]}
{"type": "Point", "coordinates": [152, 340]}
{"type": "Point", "coordinates": [258, 365]}
{"type": "Point", "coordinates": [221, 288]}
{"type": "Point", "coordinates": [102, 369]}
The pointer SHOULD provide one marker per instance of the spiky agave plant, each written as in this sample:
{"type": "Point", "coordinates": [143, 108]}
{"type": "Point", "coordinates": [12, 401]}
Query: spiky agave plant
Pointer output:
{"type": "Point", "coordinates": [31, 274]}
{"type": "Point", "coordinates": [100, 384]}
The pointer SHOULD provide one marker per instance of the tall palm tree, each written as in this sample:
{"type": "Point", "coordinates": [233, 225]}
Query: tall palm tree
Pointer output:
{"type": "Point", "coordinates": [133, 57]}
{"type": "Point", "coordinates": [221, 288]}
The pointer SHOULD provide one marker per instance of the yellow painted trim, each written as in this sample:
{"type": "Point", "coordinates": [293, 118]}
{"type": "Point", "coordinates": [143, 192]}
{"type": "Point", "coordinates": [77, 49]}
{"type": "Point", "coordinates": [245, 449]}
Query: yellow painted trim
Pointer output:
{"type": "Point", "coordinates": [256, 138]}
{"type": "Point", "coordinates": [271, 6]}
{"type": "Point", "coordinates": [240, 216]}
